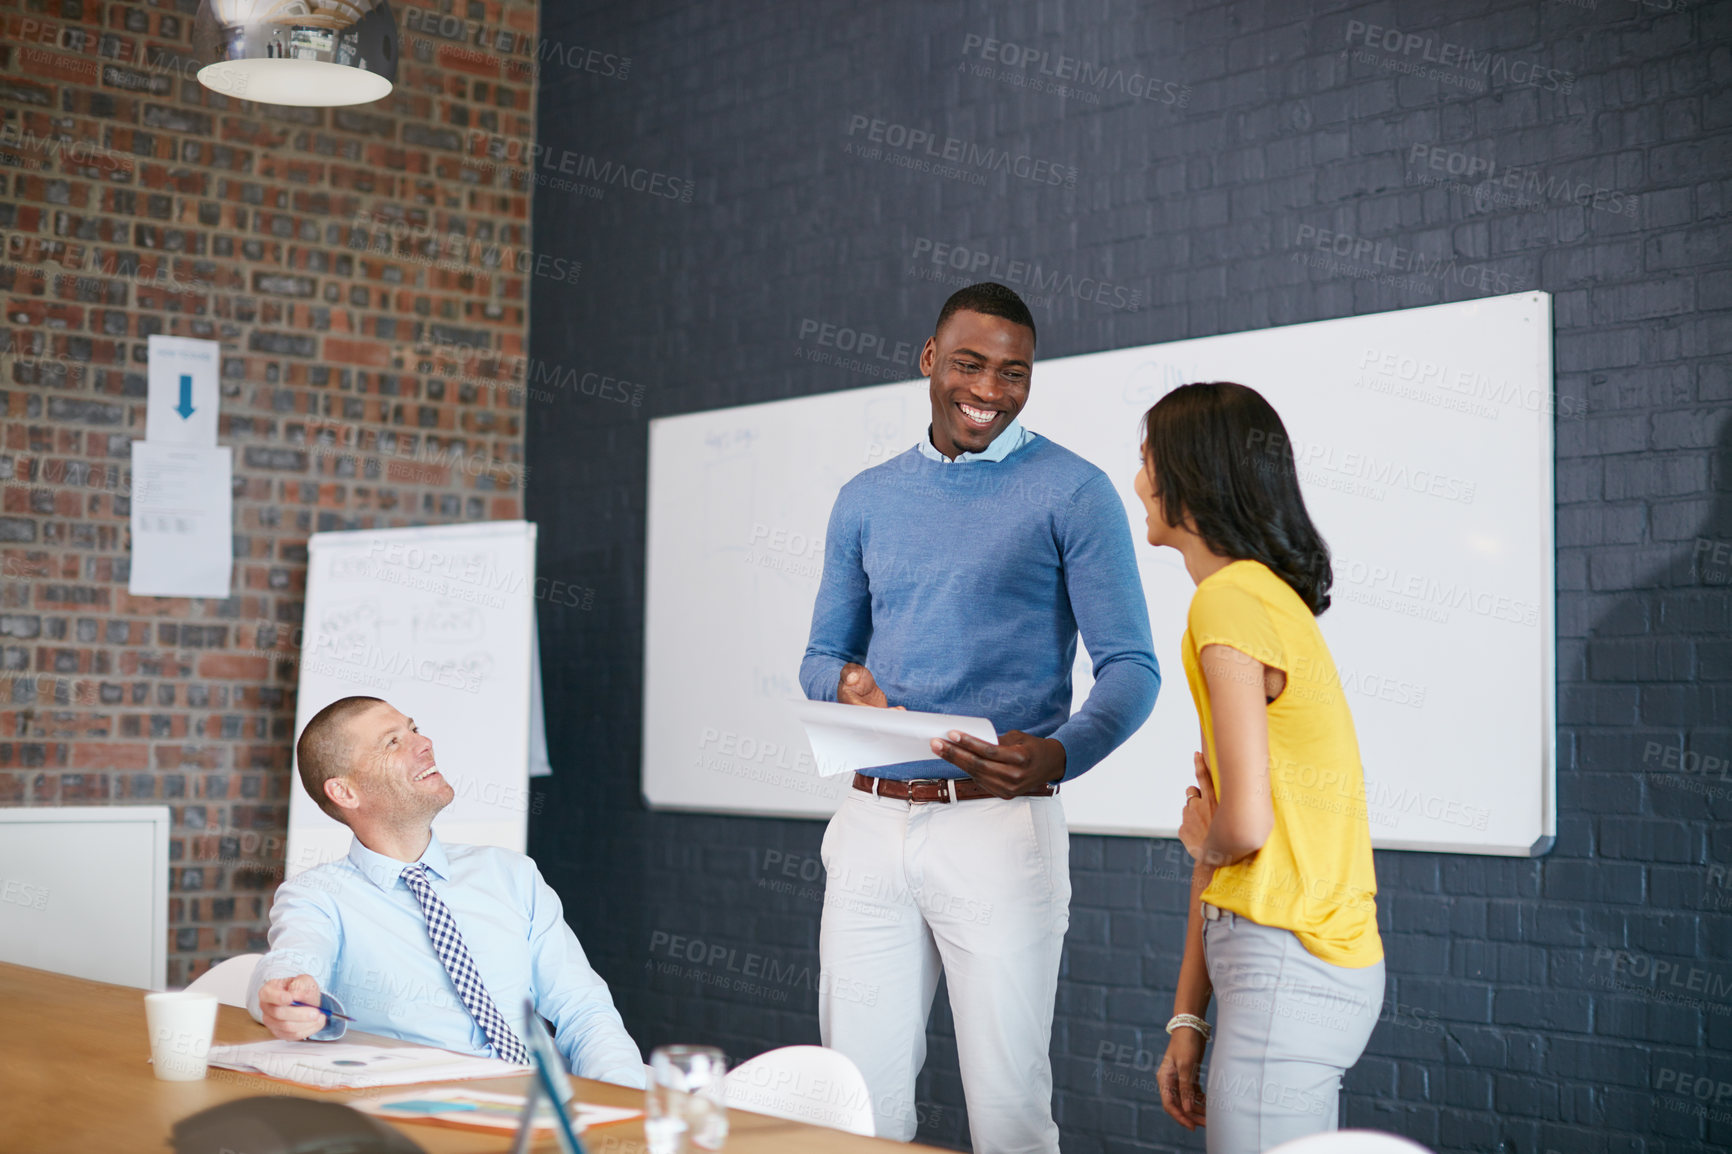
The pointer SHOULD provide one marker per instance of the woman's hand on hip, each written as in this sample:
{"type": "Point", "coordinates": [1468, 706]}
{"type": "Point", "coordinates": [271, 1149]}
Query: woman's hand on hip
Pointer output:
{"type": "Point", "coordinates": [1199, 812]}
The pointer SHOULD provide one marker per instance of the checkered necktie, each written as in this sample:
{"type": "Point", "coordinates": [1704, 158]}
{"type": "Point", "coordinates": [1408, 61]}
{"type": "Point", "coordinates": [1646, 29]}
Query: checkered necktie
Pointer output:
{"type": "Point", "coordinates": [448, 944]}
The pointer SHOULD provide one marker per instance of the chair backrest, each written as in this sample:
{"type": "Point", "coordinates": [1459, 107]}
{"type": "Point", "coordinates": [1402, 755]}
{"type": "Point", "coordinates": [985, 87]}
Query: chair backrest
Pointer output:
{"type": "Point", "coordinates": [1350, 1142]}
{"type": "Point", "coordinates": [804, 1084]}
{"type": "Point", "coordinates": [228, 980]}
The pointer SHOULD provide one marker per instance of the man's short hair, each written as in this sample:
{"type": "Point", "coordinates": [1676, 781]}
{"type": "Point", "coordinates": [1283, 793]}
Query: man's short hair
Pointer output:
{"type": "Point", "coordinates": [325, 751]}
{"type": "Point", "coordinates": [991, 298]}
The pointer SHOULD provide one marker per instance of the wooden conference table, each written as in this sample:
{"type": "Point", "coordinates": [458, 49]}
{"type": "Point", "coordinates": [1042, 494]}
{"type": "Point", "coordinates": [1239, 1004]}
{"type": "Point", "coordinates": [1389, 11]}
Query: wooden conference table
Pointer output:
{"type": "Point", "coordinates": [75, 1076]}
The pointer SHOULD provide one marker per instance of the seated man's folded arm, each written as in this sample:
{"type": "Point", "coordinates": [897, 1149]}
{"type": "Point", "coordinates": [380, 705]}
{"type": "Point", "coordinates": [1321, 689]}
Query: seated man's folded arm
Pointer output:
{"type": "Point", "coordinates": [305, 938]}
{"type": "Point", "coordinates": [570, 994]}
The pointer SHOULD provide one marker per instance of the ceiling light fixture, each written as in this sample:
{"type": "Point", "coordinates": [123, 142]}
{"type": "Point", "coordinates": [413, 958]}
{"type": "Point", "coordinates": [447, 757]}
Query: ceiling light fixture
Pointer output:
{"type": "Point", "coordinates": [313, 53]}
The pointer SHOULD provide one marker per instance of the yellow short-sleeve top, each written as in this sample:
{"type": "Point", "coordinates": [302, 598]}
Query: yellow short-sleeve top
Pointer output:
{"type": "Point", "coordinates": [1314, 876]}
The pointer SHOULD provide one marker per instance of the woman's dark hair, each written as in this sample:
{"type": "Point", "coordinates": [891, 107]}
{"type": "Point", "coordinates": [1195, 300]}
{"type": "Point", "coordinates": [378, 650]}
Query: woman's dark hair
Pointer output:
{"type": "Point", "coordinates": [1223, 467]}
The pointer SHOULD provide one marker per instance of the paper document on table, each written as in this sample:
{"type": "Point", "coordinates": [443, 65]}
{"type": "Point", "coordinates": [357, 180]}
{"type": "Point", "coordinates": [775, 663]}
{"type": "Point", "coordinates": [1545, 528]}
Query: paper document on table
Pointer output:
{"type": "Point", "coordinates": [348, 1065]}
{"type": "Point", "coordinates": [846, 738]}
{"type": "Point", "coordinates": [481, 1110]}
{"type": "Point", "coordinates": [182, 521]}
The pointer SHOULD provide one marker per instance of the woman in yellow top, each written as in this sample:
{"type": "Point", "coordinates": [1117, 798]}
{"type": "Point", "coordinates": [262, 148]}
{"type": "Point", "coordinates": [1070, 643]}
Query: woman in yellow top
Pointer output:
{"type": "Point", "coordinates": [1283, 917]}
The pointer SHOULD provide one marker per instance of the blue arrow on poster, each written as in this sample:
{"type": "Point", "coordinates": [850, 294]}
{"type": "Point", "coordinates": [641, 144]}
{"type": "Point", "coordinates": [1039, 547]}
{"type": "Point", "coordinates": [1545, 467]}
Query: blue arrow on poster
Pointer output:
{"type": "Point", "coordinates": [181, 406]}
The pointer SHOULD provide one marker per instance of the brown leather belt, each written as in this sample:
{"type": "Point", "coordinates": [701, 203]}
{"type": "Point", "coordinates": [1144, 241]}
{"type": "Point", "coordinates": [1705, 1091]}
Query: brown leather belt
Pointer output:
{"type": "Point", "coordinates": [945, 789]}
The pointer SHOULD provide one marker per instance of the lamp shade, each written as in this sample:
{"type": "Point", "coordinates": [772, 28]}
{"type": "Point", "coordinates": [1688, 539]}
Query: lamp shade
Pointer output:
{"type": "Point", "coordinates": [306, 52]}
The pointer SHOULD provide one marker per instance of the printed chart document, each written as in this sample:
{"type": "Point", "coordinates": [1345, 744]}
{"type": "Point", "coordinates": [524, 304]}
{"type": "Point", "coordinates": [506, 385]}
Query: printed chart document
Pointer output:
{"type": "Point", "coordinates": [846, 738]}
{"type": "Point", "coordinates": [481, 1110]}
{"type": "Point", "coordinates": [346, 1066]}
{"type": "Point", "coordinates": [182, 521]}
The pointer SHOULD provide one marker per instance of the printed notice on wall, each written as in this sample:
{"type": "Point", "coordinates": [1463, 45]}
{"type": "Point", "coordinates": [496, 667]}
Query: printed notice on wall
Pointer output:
{"type": "Point", "coordinates": [182, 521]}
{"type": "Point", "coordinates": [181, 404]}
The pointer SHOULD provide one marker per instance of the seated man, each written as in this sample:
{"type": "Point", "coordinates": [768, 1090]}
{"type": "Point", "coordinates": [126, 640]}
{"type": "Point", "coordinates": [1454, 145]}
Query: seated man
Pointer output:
{"type": "Point", "coordinates": [418, 940]}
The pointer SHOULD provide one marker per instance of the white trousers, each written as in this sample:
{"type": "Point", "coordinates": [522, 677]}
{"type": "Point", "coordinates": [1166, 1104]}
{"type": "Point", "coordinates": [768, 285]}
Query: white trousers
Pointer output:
{"type": "Point", "coordinates": [980, 887]}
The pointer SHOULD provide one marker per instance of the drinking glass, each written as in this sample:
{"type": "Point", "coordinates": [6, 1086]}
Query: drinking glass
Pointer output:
{"type": "Point", "coordinates": [686, 1102]}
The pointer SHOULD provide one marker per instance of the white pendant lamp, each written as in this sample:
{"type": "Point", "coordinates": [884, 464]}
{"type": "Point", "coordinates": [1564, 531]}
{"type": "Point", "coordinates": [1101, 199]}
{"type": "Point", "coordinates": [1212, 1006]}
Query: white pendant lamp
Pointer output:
{"type": "Point", "coordinates": [317, 53]}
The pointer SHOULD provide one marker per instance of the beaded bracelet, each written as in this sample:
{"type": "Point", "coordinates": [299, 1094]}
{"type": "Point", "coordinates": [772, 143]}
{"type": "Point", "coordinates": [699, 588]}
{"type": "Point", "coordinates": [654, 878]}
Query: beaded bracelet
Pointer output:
{"type": "Point", "coordinates": [1192, 1021]}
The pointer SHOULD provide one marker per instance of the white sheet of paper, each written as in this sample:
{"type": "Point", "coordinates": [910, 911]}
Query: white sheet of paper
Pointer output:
{"type": "Point", "coordinates": [846, 738]}
{"type": "Point", "coordinates": [182, 521]}
{"type": "Point", "coordinates": [181, 402]}
{"type": "Point", "coordinates": [336, 1065]}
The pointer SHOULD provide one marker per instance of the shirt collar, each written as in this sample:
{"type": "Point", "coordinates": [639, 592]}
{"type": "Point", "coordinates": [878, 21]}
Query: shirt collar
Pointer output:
{"type": "Point", "coordinates": [1013, 438]}
{"type": "Point", "coordinates": [384, 871]}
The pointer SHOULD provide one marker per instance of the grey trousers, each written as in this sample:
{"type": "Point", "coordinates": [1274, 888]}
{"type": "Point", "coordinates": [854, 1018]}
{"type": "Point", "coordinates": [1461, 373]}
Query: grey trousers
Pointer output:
{"type": "Point", "coordinates": [1287, 1027]}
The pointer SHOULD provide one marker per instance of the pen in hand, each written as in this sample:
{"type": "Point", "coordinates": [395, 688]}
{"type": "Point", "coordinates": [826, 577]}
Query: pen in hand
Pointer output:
{"type": "Point", "coordinates": [322, 1010]}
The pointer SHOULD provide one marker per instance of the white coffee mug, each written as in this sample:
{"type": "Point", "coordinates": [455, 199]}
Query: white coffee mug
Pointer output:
{"type": "Point", "coordinates": [181, 1025]}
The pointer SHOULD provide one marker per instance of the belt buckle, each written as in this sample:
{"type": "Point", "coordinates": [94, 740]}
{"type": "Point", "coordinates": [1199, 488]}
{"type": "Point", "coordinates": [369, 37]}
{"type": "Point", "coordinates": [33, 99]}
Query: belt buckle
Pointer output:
{"type": "Point", "coordinates": [949, 784]}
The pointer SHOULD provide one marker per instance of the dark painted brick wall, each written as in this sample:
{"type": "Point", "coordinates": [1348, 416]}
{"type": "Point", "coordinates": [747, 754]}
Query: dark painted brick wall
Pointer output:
{"type": "Point", "coordinates": [1582, 1002]}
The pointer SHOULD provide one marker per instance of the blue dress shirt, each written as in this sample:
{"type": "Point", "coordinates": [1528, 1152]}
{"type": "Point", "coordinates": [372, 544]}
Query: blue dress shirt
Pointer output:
{"type": "Point", "coordinates": [358, 930]}
{"type": "Point", "coordinates": [1013, 438]}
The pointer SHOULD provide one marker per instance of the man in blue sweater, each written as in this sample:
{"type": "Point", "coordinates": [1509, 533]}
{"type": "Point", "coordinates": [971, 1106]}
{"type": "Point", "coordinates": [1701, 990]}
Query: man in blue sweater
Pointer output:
{"type": "Point", "coordinates": [957, 577]}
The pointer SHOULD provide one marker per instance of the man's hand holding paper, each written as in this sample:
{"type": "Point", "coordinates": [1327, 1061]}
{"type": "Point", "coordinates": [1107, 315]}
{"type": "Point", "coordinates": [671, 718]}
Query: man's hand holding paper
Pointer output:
{"type": "Point", "coordinates": [1020, 763]}
{"type": "Point", "coordinates": [859, 687]}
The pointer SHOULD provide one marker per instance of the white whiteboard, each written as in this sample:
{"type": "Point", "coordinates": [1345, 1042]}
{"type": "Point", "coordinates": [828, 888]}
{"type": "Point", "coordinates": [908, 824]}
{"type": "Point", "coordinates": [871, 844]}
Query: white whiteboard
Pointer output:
{"type": "Point", "coordinates": [1424, 444]}
{"type": "Point", "coordinates": [437, 621]}
{"type": "Point", "coordinates": [84, 891]}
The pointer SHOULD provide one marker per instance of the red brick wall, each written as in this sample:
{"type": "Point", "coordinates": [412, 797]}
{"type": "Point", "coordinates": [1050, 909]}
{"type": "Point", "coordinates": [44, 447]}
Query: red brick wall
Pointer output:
{"type": "Point", "coordinates": [359, 268]}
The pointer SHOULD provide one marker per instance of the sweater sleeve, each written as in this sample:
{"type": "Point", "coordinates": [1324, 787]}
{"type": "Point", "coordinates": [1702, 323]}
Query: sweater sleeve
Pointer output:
{"type": "Point", "coordinates": [842, 615]}
{"type": "Point", "coordinates": [1106, 598]}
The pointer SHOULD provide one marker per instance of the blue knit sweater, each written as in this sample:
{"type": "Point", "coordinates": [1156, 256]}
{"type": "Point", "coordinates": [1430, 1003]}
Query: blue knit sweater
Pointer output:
{"type": "Point", "coordinates": [962, 586]}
